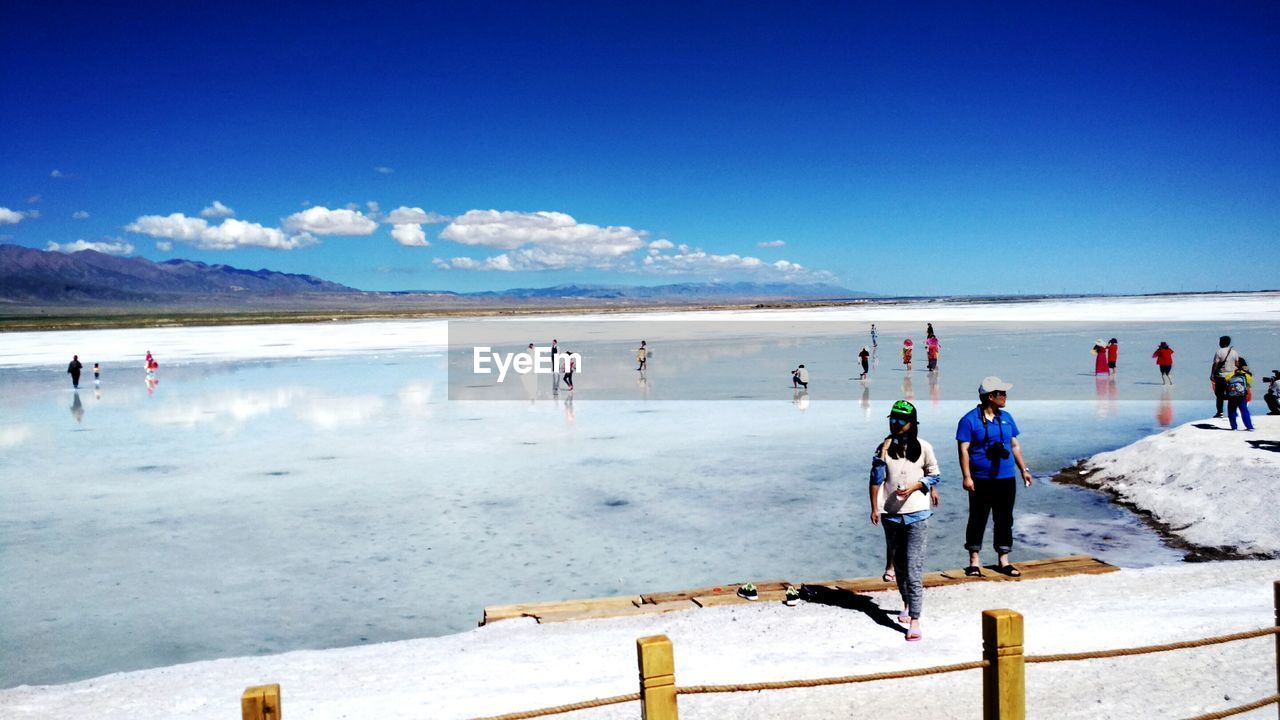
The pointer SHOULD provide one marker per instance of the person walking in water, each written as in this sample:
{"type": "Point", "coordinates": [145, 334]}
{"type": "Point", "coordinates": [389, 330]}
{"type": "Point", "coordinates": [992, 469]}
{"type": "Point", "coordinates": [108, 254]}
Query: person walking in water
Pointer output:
{"type": "Point", "coordinates": [1100, 358]}
{"type": "Point", "coordinates": [74, 368]}
{"type": "Point", "coordinates": [865, 358]}
{"type": "Point", "coordinates": [642, 356]}
{"type": "Point", "coordinates": [986, 439]}
{"type": "Point", "coordinates": [906, 353]}
{"type": "Point", "coordinates": [1164, 361]}
{"type": "Point", "coordinates": [932, 349]}
{"type": "Point", "coordinates": [1113, 355]}
{"type": "Point", "coordinates": [875, 337]}
{"type": "Point", "coordinates": [1222, 367]}
{"type": "Point", "coordinates": [569, 367]}
{"type": "Point", "coordinates": [904, 471]}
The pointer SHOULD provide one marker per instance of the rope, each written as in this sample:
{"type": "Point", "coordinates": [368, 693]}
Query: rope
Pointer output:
{"type": "Point", "coordinates": [1063, 657]}
{"type": "Point", "coordinates": [1239, 709]}
{"type": "Point", "coordinates": [584, 705]}
{"type": "Point", "coordinates": [819, 682]}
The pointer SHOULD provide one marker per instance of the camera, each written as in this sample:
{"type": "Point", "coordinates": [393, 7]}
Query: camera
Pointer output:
{"type": "Point", "coordinates": [1275, 375]}
{"type": "Point", "coordinates": [996, 452]}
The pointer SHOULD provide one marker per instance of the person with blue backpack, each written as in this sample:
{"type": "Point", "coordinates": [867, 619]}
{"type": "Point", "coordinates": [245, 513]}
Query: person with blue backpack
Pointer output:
{"type": "Point", "coordinates": [1238, 386]}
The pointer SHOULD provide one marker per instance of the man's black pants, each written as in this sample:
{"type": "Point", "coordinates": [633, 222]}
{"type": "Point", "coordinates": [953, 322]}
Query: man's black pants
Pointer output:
{"type": "Point", "coordinates": [994, 498]}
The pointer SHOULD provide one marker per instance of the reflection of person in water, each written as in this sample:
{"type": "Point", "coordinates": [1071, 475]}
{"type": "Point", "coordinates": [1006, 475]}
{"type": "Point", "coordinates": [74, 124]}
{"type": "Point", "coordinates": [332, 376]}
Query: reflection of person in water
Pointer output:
{"type": "Point", "coordinates": [908, 390]}
{"type": "Point", "coordinates": [866, 400]}
{"type": "Point", "coordinates": [934, 391]}
{"type": "Point", "coordinates": [800, 398]}
{"type": "Point", "coordinates": [152, 381]}
{"type": "Point", "coordinates": [77, 409]}
{"type": "Point", "coordinates": [1164, 415]}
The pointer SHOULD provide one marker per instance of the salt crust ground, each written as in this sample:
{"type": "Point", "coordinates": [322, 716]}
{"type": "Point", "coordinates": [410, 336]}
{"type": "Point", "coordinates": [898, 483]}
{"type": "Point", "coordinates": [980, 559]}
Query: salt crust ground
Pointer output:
{"type": "Point", "coordinates": [1214, 488]}
{"type": "Point", "coordinates": [517, 664]}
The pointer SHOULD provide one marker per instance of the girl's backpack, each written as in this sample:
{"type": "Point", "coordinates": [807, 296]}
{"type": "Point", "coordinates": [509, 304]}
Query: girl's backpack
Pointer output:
{"type": "Point", "coordinates": [1237, 386]}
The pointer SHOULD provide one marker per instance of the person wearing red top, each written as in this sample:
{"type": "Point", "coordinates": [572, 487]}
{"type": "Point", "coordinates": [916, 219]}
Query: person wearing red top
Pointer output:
{"type": "Point", "coordinates": [1113, 354]}
{"type": "Point", "coordinates": [1164, 359]}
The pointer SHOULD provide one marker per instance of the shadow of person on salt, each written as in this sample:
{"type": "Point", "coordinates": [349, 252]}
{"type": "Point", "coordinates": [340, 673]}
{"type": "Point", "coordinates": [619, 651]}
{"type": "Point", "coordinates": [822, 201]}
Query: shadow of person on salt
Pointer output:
{"type": "Point", "coordinates": [836, 597]}
{"type": "Point", "coordinates": [1207, 426]}
{"type": "Point", "coordinates": [1269, 445]}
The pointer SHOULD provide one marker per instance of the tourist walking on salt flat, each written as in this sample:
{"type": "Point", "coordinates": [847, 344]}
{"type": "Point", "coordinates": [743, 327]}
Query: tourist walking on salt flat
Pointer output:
{"type": "Point", "coordinates": [642, 356]}
{"type": "Point", "coordinates": [904, 471]}
{"type": "Point", "coordinates": [875, 337]}
{"type": "Point", "coordinates": [73, 368]}
{"type": "Point", "coordinates": [1222, 367]}
{"type": "Point", "coordinates": [1113, 355]}
{"type": "Point", "coordinates": [1164, 360]}
{"type": "Point", "coordinates": [864, 357]}
{"type": "Point", "coordinates": [987, 443]}
{"type": "Point", "coordinates": [1100, 358]}
{"type": "Point", "coordinates": [932, 349]}
{"type": "Point", "coordinates": [907, 350]}
{"type": "Point", "coordinates": [1239, 390]}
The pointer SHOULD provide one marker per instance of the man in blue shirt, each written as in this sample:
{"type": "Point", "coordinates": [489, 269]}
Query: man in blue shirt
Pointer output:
{"type": "Point", "coordinates": [987, 441]}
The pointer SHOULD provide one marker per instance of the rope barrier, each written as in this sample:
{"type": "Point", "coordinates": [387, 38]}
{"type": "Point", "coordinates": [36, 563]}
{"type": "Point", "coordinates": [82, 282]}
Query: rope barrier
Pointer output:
{"type": "Point", "coordinates": [819, 682]}
{"type": "Point", "coordinates": [558, 709]}
{"type": "Point", "coordinates": [1122, 652]}
{"type": "Point", "coordinates": [921, 672]}
{"type": "Point", "coordinates": [1237, 710]}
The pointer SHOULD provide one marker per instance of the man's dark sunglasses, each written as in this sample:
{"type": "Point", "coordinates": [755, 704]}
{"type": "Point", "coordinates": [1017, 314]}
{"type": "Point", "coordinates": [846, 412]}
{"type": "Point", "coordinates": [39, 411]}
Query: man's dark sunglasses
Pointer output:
{"type": "Point", "coordinates": [1001, 393]}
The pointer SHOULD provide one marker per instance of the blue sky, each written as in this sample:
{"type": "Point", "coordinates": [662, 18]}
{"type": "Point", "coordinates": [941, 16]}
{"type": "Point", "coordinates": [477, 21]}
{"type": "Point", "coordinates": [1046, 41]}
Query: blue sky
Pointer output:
{"type": "Point", "coordinates": [941, 149]}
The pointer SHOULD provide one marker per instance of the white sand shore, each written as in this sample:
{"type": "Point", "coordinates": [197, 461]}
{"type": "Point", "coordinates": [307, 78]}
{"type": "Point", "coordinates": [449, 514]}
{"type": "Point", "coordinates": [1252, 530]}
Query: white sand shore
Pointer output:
{"type": "Point", "coordinates": [517, 664]}
{"type": "Point", "coordinates": [1212, 488]}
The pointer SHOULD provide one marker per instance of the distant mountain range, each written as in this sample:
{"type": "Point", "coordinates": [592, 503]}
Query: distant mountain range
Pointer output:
{"type": "Point", "coordinates": [30, 277]}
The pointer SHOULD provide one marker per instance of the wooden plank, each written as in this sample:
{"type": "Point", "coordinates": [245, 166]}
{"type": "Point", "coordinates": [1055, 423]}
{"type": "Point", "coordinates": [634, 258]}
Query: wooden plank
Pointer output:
{"type": "Point", "coordinates": [713, 591]}
{"type": "Point", "coordinates": [766, 591]}
{"type": "Point", "coordinates": [610, 612]}
{"type": "Point", "coordinates": [507, 612]}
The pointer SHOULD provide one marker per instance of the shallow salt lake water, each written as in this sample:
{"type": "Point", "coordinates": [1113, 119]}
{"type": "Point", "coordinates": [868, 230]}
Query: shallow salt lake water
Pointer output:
{"type": "Point", "coordinates": [258, 506]}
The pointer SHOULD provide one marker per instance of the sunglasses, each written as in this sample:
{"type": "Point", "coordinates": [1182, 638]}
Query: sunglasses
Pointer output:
{"type": "Point", "coordinates": [1001, 393]}
{"type": "Point", "coordinates": [898, 421]}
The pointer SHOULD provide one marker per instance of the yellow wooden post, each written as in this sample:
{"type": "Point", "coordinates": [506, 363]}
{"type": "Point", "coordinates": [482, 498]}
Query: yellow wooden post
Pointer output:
{"type": "Point", "coordinates": [657, 679]}
{"type": "Point", "coordinates": [1003, 680]}
{"type": "Point", "coordinates": [261, 702]}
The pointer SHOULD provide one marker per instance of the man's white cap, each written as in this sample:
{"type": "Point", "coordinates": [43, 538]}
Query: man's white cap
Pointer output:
{"type": "Point", "coordinates": [991, 383]}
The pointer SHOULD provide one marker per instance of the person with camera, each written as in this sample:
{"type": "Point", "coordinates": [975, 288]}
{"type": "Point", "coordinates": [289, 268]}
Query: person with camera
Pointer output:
{"type": "Point", "coordinates": [904, 471]}
{"type": "Point", "coordinates": [1273, 393]}
{"type": "Point", "coordinates": [987, 442]}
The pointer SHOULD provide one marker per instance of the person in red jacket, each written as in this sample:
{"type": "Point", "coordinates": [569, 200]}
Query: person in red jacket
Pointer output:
{"type": "Point", "coordinates": [1164, 359]}
{"type": "Point", "coordinates": [1113, 354]}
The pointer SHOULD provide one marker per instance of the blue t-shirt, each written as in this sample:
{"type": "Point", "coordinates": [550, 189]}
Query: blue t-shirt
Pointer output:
{"type": "Point", "coordinates": [981, 435]}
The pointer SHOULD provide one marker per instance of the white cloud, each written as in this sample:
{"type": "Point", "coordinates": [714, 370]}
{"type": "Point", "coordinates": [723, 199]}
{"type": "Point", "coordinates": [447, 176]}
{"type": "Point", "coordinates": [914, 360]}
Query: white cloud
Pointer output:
{"type": "Point", "coordinates": [688, 261]}
{"type": "Point", "coordinates": [772, 243]}
{"type": "Point", "coordinates": [57, 173]}
{"type": "Point", "coordinates": [80, 215]}
{"type": "Point", "coordinates": [409, 234]}
{"type": "Point", "coordinates": [416, 216]}
{"type": "Point", "coordinates": [541, 241]}
{"type": "Point", "coordinates": [10, 217]}
{"type": "Point", "coordinates": [217, 210]}
{"type": "Point", "coordinates": [384, 170]}
{"type": "Point", "coordinates": [661, 245]}
{"type": "Point", "coordinates": [321, 220]}
{"type": "Point", "coordinates": [230, 234]}
{"type": "Point", "coordinates": [164, 245]}
{"type": "Point", "coordinates": [112, 247]}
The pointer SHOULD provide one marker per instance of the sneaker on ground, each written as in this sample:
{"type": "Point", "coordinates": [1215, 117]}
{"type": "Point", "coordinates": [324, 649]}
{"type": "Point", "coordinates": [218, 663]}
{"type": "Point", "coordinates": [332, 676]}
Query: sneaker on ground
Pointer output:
{"type": "Point", "coordinates": [792, 598]}
{"type": "Point", "coordinates": [748, 591]}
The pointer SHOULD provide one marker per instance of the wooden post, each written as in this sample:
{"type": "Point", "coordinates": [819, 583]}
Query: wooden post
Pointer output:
{"type": "Point", "coordinates": [1277, 637]}
{"type": "Point", "coordinates": [1003, 680]}
{"type": "Point", "coordinates": [261, 702]}
{"type": "Point", "coordinates": [657, 679]}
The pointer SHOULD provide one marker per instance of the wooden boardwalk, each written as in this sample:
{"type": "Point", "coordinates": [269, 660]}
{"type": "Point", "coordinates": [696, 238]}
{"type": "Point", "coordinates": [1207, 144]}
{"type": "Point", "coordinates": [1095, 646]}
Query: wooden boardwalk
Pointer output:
{"type": "Point", "coordinates": [655, 603]}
